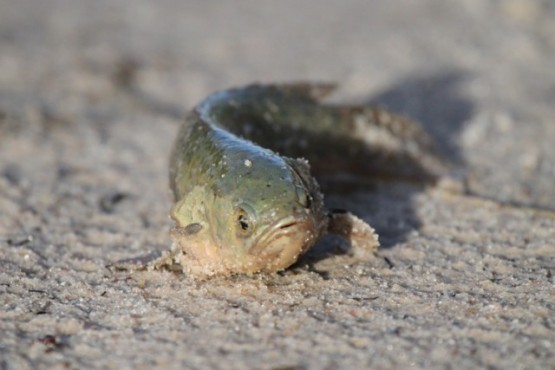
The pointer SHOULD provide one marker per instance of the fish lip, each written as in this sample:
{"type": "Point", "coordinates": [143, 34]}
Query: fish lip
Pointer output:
{"type": "Point", "coordinates": [283, 227]}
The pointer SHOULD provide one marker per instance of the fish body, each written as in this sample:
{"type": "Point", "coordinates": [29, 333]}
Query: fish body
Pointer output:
{"type": "Point", "coordinates": [245, 197]}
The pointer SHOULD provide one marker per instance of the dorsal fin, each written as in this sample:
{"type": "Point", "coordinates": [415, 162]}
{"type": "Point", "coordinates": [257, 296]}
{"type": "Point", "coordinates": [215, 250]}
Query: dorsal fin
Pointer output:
{"type": "Point", "coordinates": [315, 91]}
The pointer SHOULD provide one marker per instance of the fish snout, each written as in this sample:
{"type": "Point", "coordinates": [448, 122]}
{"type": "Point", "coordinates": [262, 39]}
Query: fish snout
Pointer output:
{"type": "Point", "coordinates": [285, 242]}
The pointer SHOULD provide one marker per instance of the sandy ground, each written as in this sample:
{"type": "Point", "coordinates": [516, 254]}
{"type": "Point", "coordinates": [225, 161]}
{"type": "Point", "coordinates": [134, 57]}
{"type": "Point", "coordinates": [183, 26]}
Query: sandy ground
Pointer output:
{"type": "Point", "coordinates": [91, 96]}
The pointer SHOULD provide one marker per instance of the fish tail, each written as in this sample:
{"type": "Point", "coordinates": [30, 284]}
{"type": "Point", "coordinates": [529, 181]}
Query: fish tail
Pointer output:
{"type": "Point", "coordinates": [402, 128]}
{"type": "Point", "coordinates": [388, 145]}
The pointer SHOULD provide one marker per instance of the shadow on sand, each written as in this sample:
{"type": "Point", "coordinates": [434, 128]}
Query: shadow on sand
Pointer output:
{"type": "Point", "coordinates": [434, 101]}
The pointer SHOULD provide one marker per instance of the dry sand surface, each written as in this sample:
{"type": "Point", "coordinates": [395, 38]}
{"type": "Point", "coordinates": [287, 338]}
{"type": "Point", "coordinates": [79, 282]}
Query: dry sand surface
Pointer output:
{"type": "Point", "coordinates": [92, 94]}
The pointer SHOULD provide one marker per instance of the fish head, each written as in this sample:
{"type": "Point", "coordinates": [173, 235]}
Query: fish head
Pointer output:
{"type": "Point", "coordinates": [271, 213]}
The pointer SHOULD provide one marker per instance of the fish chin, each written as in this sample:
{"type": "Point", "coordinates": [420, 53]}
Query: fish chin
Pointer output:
{"type": "Point", "coordinates": [283, 244]}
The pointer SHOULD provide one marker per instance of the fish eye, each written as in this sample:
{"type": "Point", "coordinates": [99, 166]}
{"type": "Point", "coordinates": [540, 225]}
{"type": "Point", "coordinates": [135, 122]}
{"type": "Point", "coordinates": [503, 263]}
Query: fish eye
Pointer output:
{"type": "Point", "coordinates": [245, 220]}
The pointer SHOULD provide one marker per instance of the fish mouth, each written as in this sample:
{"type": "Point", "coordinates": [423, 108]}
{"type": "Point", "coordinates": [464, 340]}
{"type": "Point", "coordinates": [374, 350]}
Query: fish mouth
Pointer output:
{"type": "Point", "coordinates": [280, 246]}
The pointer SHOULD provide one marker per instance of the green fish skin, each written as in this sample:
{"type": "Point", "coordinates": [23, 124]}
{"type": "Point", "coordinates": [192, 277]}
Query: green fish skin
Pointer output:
{"type": "Point", "coordinates": [245, 198]}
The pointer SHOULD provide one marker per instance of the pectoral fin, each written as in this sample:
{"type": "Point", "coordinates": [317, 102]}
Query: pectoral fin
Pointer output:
{"type": "Point", "coordinates": [148, 262]}
{"type": "Point", "coordinates": [362, 237]}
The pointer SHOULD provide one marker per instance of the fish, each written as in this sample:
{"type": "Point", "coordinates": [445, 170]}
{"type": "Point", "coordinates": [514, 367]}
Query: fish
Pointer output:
{"type": "Point", "coordinates": [243, 174]}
